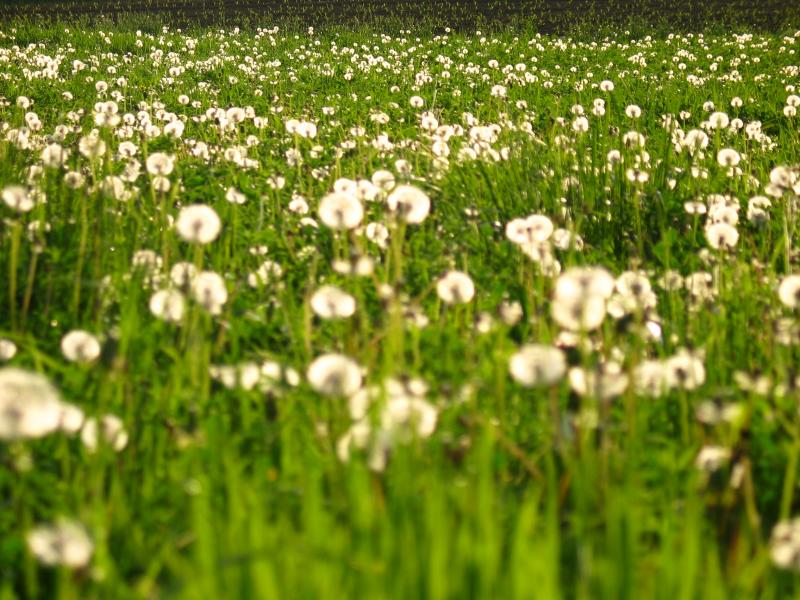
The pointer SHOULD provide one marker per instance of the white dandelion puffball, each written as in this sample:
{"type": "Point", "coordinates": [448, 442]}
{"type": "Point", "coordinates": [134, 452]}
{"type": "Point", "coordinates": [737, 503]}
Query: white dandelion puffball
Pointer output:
{"type": "Point", "coordinates": [784, 544]}
{"type": "Point", "coordinates": [80, 346]}
{"type": "Point", "coordinates": [334, 375]}
{"type": "Point", "coordinates": [339, 210]}
{"type": "Point", "coordinates": [531, 229]}
{"type": "Point", "coordinates": [594, 281]}
{"type": "Point", "coordinates": [721, 236]}
{"type": "Point", "coordinates": [182, 273]}
{"type": "Point", "coordinates": [109, 428]}
{"type": "Point", "coordinates": [411, 203]}
{"type": "Point", "coordinates": [167, 305]}
{"type": "Point", "coordinates": [728, 157]}
{"type": "Point", "coordinates": [383, 179]}
{"type": "Point", "coordinates": [537, 364]}
{"type": "Point", "coordinates": [30, 407]}
{"type": "Point", "coordinates": [455, 287]}
{"type": "Point", "coordinates": [54, 155]}
{"type": "Point", "coordinates": [579, 313]}
{"type": "Point", "coordinates": [208, 289]}
{"type": "Point", "coordinates": [198, 223]}
{"type": "Point", "coordinates": [159, 163]}
{"type": "Point", "coordinates": [8, 349]}
{"type": "Point", "coordinates": [329, 302]}
{"type": "Point", "coordinates": [579, 302]}
{"type": "Point", "coordinates": [789, 291]}
{"type": "Point", "coordinates": [65, 543]}
{"type": "Point", "coordinates": [17, 198]}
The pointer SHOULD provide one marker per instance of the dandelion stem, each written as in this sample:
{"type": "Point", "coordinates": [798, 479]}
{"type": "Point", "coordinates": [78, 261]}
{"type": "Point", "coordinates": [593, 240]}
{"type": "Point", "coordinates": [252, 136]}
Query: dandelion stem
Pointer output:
{"type": "Point", "coordinates": [789, 478]}
{"type": "Point", "coordinates": [16, 235]}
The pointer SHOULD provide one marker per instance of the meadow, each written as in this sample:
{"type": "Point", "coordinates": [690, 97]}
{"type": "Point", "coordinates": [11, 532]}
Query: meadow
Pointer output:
{"type": "Point", "coordinates": [398, 312]}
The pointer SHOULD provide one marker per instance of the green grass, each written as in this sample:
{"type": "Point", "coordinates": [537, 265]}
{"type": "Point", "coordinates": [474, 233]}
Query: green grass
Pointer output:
{"type": "Point", "coordinates": [235, 493]}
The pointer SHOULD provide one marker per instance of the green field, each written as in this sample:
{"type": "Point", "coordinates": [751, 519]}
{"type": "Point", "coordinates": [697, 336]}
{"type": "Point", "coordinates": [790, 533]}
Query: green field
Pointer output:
{"type": "Point", "coordinates": [398, 313]}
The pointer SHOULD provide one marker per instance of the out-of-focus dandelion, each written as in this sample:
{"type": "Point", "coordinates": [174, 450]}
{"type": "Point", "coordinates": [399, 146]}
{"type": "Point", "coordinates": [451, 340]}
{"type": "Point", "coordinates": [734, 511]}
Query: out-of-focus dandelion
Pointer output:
{"type": "Point", "coordinates": [198, 223]}
{"type": "Point", "coordinates": [455, 287]}
{"type": "Point", "coordinates": [329, 302]}
{"type": "Point", "coordinates": [65, 543]}
{"type": "Point", "coordinates": [30, 407]}
{"type": "Point", "coordinates": [410, 203]}
{"type": "Point", "coordinates": [340, 211]}
{"type": "Point", "coordinates": [80, 346]}
{"type": "Point", "coordinates": [537, 364]}
{"type": "Point", "coordinates": [334, 375]}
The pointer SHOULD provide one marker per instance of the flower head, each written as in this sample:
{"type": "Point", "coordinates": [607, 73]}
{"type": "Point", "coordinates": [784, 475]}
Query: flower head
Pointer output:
{"type": "Point", "coordinates": [410, 203]}
{"type": "Point", "coordinates": [30, 407]}
{"type": "Point", "coordinates": [65, 543]}
{"type": "Point", "coordinates": [198, 223]}
{"type": "Point", "coordinates": [329, 302]}
{"type": "Point", "coordinates": [334, 375]}
{"type": "Point", "coordinates": [80, 346]}
{"type": "Point", "coordinates": [455, 287]}
{"type": "Point", "coordinates": [537, 364]}
{"type": "Point", "coordinates": [339, 210]}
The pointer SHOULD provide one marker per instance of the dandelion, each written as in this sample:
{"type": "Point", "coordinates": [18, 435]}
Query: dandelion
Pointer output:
{"type": "Point", "coordinates": [685, 370]}
{"type": "Point", "coordinates": [74, 180]}
{"type": "Point", "coordinates": [8, 349]}
{"type": "Point", "coordinates": [182, 273]}
{"type": "Point", "coordinates": [377, 233]}
{"type": "Point", "coordinates": [108, 429]}
{"type": "Point", "coordinates": [650, 378]}
{"type": "Point", "coordinates": [17, 198]}
{"type": "Point", "coordinates": [531, 230]}
{"type": "Point", "coordinates": [784, 545]}
{"type": "Point", "coordinates": [579, 302]}
{"type": "Point", "coordinates": [266, 273]}
{"type": "Point", "coordinates": [498, 91]}
{"type": "Point", "coordinates": [339, 210]}
{"type": "Point", "coordinates": [728, 157]}
{"type": "Point", "coordinates": [92, 147]}
{"type": "Point", "coordinates": [455, 287]}
{"type": "Point", "coordinates": [632, 111]}
{"type": "Point", "coordinates": [405, 412]}
{"type": "Point", "coordinates": [198, 223]}
{"type": "Point", "coordinates": [607, 381]}
{"type": "Point", "coordinates": [159, 163]}
{"type": "Point", "coordinates": [537, 364]}
{"type": "Point", "coordinates": [80, 346]}
{"type": "Point", "coordinates": [329, 302]}
{"type": "Point", "coordinates": [234, 196]}
{"type": "Point", "coordinates": [65, 543]}
{"type": "Point", "coordinates": [334, 375]}
{"type": "Point", "coordinates": [637, 176]}
{"type": "Point", "coordinates": [721, 236]}
{"type": "Point", "coordinates": [209, 291]}
{"type": "Point", "coordinates": [54, 155]}
{"type": "Point", "coordinates": [718, 120]}
{"type": "Point", "coordinates": [789, 291]}
{"type": "Point", "coordinates": [384, 180]}
{"type": "Point", "coordinates": [30, 407]}
{"type": "Point", "coordinates": [712, 458]}
{"type": "Point", "coordinates": [411, 203]}
{"type": "Point", "coordinates": [695, 140]}
{"type": "Point", "coordinates": [114, 187]}
{"type": "Point", "coordinates": [607, 86]}
{"type": "Point", "coordinates": [580, 125]}
{"type": "Point", "coordinates": [167, 305]}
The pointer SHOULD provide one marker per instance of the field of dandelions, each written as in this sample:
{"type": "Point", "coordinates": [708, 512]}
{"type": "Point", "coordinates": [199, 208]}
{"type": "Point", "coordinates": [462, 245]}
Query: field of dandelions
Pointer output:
{"type": "Point", "coordinates": [356, 314]}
